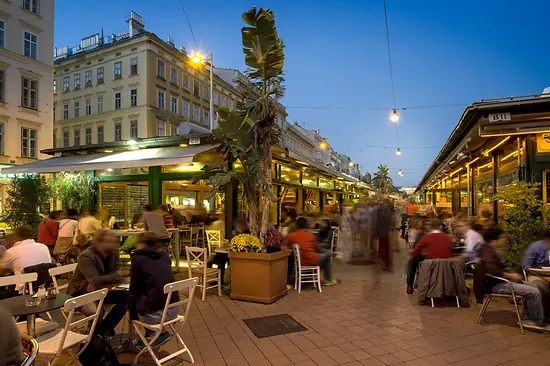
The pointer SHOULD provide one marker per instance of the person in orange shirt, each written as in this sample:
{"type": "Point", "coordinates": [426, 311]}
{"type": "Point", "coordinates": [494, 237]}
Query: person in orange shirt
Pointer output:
{"type": "Point", "coordinates": [311, 254]}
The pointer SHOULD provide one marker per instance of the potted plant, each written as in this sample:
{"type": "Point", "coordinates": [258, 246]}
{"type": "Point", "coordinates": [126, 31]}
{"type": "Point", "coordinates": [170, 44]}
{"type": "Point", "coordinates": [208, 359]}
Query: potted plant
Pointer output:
{"type": "Point", "coordinates": [255, 275]}
{"type": "Point", "coordinates": [273, 240]}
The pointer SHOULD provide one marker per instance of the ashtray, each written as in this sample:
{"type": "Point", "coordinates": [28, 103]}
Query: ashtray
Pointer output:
{"type": "Point", "coordinates": [32, 302]}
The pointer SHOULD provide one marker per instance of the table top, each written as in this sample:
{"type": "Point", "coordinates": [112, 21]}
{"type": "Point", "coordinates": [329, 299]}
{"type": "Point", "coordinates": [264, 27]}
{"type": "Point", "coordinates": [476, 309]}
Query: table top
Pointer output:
{"type": "Point", "coordinates": [127, 232]}
{"type": "Point", "coordinates": [16, 305]}
{"type": "Point", "coordinates": [543, 271]}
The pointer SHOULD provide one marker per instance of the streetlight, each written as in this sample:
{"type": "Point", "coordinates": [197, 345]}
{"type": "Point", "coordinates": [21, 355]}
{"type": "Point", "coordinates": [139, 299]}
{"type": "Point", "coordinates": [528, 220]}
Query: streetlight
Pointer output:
{"type": "Point", "coordinates": [394, 117]}
{"type": "Point", "coordinates": [323, 145]}
{"type": "Point", "coordinates": [398, 152]}
{"type": "Point", "coordinates": [198, 59]}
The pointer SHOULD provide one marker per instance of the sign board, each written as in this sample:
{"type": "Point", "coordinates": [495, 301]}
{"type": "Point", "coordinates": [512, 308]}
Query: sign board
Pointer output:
{"type": "Point", "coordinates": [497, 117]}
{"type": "Point", "coordinates": [195, 141]}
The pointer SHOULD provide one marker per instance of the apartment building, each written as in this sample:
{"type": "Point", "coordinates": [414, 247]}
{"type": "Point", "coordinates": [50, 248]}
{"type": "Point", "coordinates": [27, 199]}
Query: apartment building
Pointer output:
{"type": "Point", "coordinates": [130, 86]}
{"type": "Point", "coordinates": [26, 70]}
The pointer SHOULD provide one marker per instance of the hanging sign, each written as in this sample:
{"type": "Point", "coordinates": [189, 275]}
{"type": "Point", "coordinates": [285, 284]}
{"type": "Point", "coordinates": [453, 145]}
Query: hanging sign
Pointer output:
{"type": "Point", "coordinates": [497, 117]}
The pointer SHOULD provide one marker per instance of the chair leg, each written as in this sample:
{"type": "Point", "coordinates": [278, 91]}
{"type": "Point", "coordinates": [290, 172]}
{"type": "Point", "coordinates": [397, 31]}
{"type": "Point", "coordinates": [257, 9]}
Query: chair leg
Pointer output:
{"type": "Point", "coordinates": [520, 321]}
{"type": "Point", "coordinates": [457, 302]}
{"type": "Point", "coordinates": [482, 310]}
{"type": "Point", "coordinates": [295, 278]}
{"type": "Point", "coordinates": [431, 298]}
{"type": "Point", "coordinates": [204, 288]}
{"type": "Point", "coordinates": [179, 340]}
{"type": "Point", "coordinates": [299, 281]}
{"type": "Point", "coordinates": [319, 280]}
{"type": "Point", "coordinates": [220, 282]}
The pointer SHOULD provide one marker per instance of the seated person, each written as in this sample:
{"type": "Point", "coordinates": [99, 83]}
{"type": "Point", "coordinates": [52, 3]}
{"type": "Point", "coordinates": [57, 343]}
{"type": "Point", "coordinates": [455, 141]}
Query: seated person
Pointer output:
{"type": "Point", "coordinates": [98, 266]}
{"type": "Point", "coordinates": [492, 264]}
{"type": "Point", "coordinates": [536, 255]}
{"type": "Point", "coordinates": [150, 271]}
{"type": "Point", "coordinates": [311, 253]}
{"type": "Point", "coordinates": [472, 239]}
{"type": "Point", "coordinates": [154, 222]}
{"type": "Point", "coordinates": [24, 253]}
{"type": "Point", "coordinates": [433, 245]}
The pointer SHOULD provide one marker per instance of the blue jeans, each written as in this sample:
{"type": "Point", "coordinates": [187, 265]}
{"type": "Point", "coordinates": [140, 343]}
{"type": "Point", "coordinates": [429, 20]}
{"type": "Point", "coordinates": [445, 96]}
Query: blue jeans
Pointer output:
{"type": "Point", "coordinates": [533, 300]}
{"type": "Point", "coordinates": [156, 317]}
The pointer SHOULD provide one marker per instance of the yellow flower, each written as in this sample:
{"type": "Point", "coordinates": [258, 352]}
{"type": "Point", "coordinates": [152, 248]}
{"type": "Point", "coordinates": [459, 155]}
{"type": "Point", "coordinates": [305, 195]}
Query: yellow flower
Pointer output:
{"type": "Point", "coordinates": [246, 243]}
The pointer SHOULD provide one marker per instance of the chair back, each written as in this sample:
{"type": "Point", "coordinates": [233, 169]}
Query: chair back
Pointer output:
{"type": "Point", "coordinates": [70, 307]}
{"type": "Point", "coordinates": [297, 256]}
{"type": "Point", "coordinates": [334, 240]}
{"type": "Point", "coordinates": [196, 259]}
{"type": "Point", "coordinates": [179, 287]}
{"type": "Point", "coordinates": [26, 279]}
{"type": "Point", "coordinates": [30, 348]}
{"type": "Point", "coordinates": [58, 271]}
{"type": "Point", "coordinates": [214, 239]}
{"type": "Point", "coordinates": [194, 235]}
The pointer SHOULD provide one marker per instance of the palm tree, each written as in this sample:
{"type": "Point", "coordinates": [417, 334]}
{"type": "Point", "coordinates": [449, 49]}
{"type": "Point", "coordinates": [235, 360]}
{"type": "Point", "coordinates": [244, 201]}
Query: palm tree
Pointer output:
{"type": "Point", "coordinates": [382, 179]}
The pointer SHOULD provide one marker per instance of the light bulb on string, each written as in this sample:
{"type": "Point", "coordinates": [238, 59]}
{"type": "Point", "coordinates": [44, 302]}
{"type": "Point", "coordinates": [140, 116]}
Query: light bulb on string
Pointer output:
{"type": "Point", "coordinates": [394, 117]}
{"type": "Point", "coordinates": [398, 152]}
{"type": "Point", "coordinates": [400, 172]}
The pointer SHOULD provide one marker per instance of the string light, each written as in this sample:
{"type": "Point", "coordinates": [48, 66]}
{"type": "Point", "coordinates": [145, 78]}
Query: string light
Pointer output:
{"type": "Point", "coordinates": [394, 117]}
{"type": "Point", "coordinates": [398, 152]}
{"type": "Point", "coordinates": [400, 172]}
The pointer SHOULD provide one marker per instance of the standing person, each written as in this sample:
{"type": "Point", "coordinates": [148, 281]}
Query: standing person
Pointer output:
{"type": "Point", "coordinates": [154, 222]}
{"type": "Point", "coordinates": [166, 216]}
{"type": "Point", "coordinates": [311, 254]}
{"type": "Point", "coordinates": [150, 271]}
{"type": "Point", "coordinates": [48, 230]}
{"type": "Point", "coordinates": [88, 225]}
{"type": "Point", "coordinates": [107, 220]}
{"type": "Point", "coordinates": [99, 266]}
{"type": "Point", "coordinates": [382, 228]}
{"type": "Point", "coordinates": [66, 234]}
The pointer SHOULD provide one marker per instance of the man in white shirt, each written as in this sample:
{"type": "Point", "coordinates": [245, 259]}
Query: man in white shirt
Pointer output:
{"type": "Point", "coordinates": [472, 238]}
{"type": "Point", "coordinates": [24, 253]}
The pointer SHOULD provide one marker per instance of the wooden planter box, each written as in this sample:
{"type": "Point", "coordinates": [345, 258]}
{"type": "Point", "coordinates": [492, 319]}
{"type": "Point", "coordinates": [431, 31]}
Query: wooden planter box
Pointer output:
{"type": "Point", "coordinates": [259, 277]}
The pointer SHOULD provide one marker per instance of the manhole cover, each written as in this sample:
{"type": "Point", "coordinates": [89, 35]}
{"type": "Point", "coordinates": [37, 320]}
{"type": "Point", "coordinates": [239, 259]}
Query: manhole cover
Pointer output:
{"type": "Point", "coordinates": [269, 326]}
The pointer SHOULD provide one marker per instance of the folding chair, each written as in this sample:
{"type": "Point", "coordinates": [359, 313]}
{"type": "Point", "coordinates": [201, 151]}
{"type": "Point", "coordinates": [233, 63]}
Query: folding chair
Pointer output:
{"type": "Point", "coordinates": [197, 260]}
{"type": "Point", "coordinates": [56, 342]}
{"type": "Point", "coordinates": [518, 300]}
{"type": "Point", "coordinates": [41, 325]}
{"type": "Point", "coordinates": [58, 271]}
{"type": "Point", "coordinates": [305, 274]}
{"type": "Point", "coordinates": [169, 289]}
{"type": "Point", "coordinates": [214, 240]}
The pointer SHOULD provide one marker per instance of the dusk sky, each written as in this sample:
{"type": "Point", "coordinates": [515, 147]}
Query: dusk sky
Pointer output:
{"type": "Point", "coordinates": [444, 52]}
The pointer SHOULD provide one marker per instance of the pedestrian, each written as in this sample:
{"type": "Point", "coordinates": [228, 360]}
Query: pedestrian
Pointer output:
{"type": "Point", "coordinates": [382, 228]}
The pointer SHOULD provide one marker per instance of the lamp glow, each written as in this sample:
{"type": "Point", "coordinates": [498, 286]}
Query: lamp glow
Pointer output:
{"type": "Point", "coordinates": [351, 163]}
{"type": "Point", "coordinates": [398, 152]}
{"type": "Point", "coordinates": [394, 117]}
{"type": "Point", "coordinates": [323, 145]}
{"type": "Point", "coordinates": [197, 58]}
{"type": "Point", "coordinates": [131, 142]}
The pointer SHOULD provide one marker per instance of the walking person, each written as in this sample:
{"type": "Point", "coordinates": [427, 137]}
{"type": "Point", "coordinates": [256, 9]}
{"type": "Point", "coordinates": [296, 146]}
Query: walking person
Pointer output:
{"type": "Point", "coordinates": [382, 228]}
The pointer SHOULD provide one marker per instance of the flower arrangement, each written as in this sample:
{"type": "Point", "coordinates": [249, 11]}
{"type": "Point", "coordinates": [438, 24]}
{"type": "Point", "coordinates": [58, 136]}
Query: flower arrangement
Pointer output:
{"type": "Point", "coordinates": [245, 243]}
{"type": "Point", "coordinates": [273, 240]}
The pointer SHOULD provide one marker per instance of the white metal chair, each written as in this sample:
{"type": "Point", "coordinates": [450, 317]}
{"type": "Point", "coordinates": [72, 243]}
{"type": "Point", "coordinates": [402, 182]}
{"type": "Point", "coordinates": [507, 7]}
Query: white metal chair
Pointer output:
{"type": "Point", "coordinates": [193, 239]}
{"type": "Point", "coordinates": [197, 259]}
{"type": "Point", "coordinates": [305, 274]}
{"type": "Point", "coordinates": [214, 240]}
{"type": "Point", "coordinates": [41, 325]}
{"type": "Point", "coordinates": [56, 342]}
{"type": "Point", "coordinates": [170, 288]}
{"type": "Point", "coordinates": [58, 271]}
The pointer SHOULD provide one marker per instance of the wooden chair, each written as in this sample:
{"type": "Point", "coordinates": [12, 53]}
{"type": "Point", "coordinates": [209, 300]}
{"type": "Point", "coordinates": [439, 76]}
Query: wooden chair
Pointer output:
{"type": "Point", "coordinates": [41, 325]}
{"type": "Point", "coordinates": [186, 286]}
{"type": "Point", "coordinates": [516, 299]}
{"type": "Point", "coordinates": [304, 274]}
{"type": "Point", "coordinates": [214, 240]}
{"type": "Point", "coordinates": [192, 240]}
{"type": "Point", "coordinates": [197, 259]}
{"type": "Point", "coordinates": [54, 343]}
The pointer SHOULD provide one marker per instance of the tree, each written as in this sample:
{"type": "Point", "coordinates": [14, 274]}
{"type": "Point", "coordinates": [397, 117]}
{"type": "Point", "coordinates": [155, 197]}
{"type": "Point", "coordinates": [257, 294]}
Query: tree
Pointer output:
{"type": "Point", "coordinates": [382, 179]}
{"type": "Point", "coordinates": [523, 217]}
{"type": "Point", "coordinates": [77, 191]}
{"type": "Point", "coordinates": [26, 195]}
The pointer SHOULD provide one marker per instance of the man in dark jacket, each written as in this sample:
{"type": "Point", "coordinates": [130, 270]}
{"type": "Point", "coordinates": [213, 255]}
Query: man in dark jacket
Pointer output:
{"type": "Point", "coordinates": [98, 267]}
{"type": "Point", "coordinates": [150, 272]}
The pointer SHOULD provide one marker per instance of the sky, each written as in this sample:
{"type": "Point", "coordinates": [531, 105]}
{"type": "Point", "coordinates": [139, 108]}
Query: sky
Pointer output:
{"type": "Point", "coordinates": [443, 52]}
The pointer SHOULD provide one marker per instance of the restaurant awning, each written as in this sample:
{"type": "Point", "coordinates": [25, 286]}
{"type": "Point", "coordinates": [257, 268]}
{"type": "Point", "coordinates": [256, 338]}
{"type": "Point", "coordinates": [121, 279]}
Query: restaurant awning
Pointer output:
{"type": "Point", "coordinates": [116, 160]}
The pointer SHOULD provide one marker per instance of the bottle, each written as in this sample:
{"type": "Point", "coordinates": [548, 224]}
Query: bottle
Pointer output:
{"type": "Point", "coordinates": [51, 294]}
{"type": "Point", "coordinates": [41, 293]}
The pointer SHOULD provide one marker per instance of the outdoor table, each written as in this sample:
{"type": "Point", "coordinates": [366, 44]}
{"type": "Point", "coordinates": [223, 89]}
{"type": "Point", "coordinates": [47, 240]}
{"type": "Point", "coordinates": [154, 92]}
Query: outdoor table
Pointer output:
{"type": "Point", "coordinates": [543, 273]}
{"type": "Point", "coordinates": [125, 233]}
{"type": "Point", "coordinates": [221, 257]}
{"type": "Point", "coordinates": [177, 247]}
{"type": "Point", "coordinates": [16, 306]}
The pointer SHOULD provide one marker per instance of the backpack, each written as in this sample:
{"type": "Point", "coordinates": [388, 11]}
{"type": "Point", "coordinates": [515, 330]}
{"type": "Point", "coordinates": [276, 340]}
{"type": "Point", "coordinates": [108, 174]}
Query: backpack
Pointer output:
{"type": "Point", "coordinates": [98, 352]}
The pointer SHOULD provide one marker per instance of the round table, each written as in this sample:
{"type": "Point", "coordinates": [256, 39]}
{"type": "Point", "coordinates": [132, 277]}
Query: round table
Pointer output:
{"type": "Point", "coordinates": [16, 306]}
{"type": "Point", "coordinates": [542, 273]}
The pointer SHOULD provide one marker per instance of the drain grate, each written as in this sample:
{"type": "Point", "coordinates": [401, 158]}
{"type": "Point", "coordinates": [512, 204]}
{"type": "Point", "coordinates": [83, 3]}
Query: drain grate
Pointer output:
{"type": "Point", "coordinates": [269, 326]}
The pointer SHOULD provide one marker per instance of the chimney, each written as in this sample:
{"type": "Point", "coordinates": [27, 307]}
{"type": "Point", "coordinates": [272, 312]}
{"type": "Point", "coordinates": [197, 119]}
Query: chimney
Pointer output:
{"type": "Point", "coordinates": [170, 41]}
{"type": "Point", "coordinates": [135, 24]}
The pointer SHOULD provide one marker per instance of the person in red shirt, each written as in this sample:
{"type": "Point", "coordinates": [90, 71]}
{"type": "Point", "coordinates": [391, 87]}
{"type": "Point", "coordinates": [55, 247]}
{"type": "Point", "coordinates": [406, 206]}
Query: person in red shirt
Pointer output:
{"type": "Point", "coordinates": [311, 254]}
{"type": "Point", "coordinates": [433, 245]}
{"type": "Point", "coordinates": [48, 230]}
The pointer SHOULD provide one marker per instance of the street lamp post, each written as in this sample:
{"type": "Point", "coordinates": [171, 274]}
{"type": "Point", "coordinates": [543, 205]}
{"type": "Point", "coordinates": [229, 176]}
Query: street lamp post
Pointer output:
{"type": "Point", "coordinates": [198, 59]}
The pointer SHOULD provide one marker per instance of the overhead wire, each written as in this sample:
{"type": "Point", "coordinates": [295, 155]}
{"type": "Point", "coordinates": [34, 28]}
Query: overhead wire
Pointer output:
{"type": "Point", "coordinates": [188, 22]}
{"type": "Point", "coordinates": [379, 108]}
{"type": "Point", "coordinates": [391, 70]}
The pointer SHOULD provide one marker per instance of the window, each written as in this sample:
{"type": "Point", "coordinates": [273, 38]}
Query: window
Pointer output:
{"type": "Point", "coordinates": [133, 66]}
{"type": "Point", "coordinates": [88, 135]}
{"type": "Point", "coordinates": [30, 44]}
{"type": "Point", "coordinates": [88, 78]}
{"type": "Point", "coordinates": [230, 104]}
{"type": "Point", "coordinates": [133, 98]}
{"type": "Point", "coordinates": [215, 97]}
{"type": "Point", "coordinates": [65, 110]}
{"type": "Point", "coordinates": [54, 138]}
{"type": "Point", "coordinates": [100, 75]}
{"type": "Point", "coordinates": [54, 110]}
{"type": "Point", "coordinates": [161, 128]}
{"type": "Point", "coordinates": [174, 129]}
{"type": "Point", "coordinates": [174, 75]}
{"type": "Point", "coordinates": [196, 87]}
{"type": "Point", "coordinates": [65, 84]}
{"type": "Point", "coordinates": [65, 138]}
{"type": "Point", "coordinates": [160, 99]}
{"type": "Point", "coordinates": [1, 139]}
{"type": "Point", "coordinates": [174, 104]}
{"type": "Point", "coordinates": [29, 94]}
{"type": "Point", "coordinates": [76, 78]}
{"type": "Point", "coordinates": [88, 107]}
{"type": "Point", "coordinates": [134, 129]}
{"type": "Point", "coordinates": [223, 102]}
{"type": "Point", "coordinates": [205, 92]}
{"type": "Point", "coordinates": [118, 131]}
{"type": "Point", "coordinates": [185, 81]}
{"type": "Point", "coordinates": [185, 109]}
{"type": "Point", "coordinates": [100, 134]}
{"type": "Point", "coordinates": [161, 69]}
{"type": "Point", "coordinates": [31, 5]}
{"type": "Point", "coordinates": [100, 104]}
{"type": "Point", "coordinates": [55, 86]}
{"type": "Point", "coordinates": [2, 86]}
{"type": "Point", "coordinates": [77, 137]}
{"type": "Point", "coordinates": [2, 33]}
{"type": "Point", "coordinates": [28, 142]}
{"type": "Point", "coordinates": [206, 116]}
{"type": "Point", "coordinates": [118, 70]}
{"type": "Point", "coordinates": [196, 113]}
{"type": "Point", "coordinates": [118, 101]}
{"type": "Point", "coordinates": [76, 109]}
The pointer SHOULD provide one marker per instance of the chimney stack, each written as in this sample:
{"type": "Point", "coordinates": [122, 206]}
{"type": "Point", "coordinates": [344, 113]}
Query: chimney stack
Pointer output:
{"type": "Point", "coordinates": [135, 24]}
